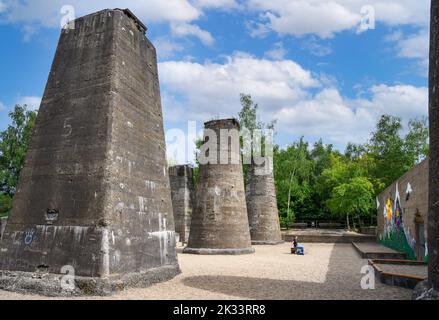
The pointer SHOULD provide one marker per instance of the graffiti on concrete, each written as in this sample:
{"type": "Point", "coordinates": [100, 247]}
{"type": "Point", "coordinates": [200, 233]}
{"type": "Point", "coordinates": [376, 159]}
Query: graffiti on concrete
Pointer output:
{"type": "Point", "coordinates": [396, 235]}
{"type": "Point", "coordinates": [29, 236]}
{"type": "Point", "coordinates": [408, 192]}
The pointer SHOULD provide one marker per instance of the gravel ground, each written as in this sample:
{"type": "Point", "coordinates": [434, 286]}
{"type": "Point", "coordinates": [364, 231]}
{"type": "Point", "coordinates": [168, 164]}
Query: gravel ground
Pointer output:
{"type": "Point", "coordinates": [419, 271]}
{"type": "Point", "coordinates": [327, 271]}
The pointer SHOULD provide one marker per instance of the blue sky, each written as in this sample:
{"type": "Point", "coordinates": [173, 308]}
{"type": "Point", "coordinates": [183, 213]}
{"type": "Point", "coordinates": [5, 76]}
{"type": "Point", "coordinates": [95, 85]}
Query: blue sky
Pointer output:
{"type": "Point", "coordinates": [306, 62]}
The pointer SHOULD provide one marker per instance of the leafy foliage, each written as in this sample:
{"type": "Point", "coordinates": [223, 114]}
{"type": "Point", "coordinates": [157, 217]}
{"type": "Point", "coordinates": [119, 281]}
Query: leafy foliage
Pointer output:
{"type": "Point", "coordinates": [320, 183]}
{"type": "Point", "coordinates": [5, 204]}
{"type": "Point", "coordinates": [352, 198]}
{"type": "Point", "coordinates": [14, 142]}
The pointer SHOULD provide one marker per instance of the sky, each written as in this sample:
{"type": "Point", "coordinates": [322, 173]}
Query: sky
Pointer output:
{"type": "Point", "coordinates": [321, 68]}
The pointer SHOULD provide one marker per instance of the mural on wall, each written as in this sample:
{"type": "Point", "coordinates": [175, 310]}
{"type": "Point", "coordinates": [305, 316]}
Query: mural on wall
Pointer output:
{"type": "Point", "coordinates": [396, 234]}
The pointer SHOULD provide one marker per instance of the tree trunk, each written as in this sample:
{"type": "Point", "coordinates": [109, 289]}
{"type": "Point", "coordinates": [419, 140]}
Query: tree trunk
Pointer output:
{"type": "Point", "coordinates": [347, 221]}
{"type": "Point", "coordinates": [289, 191]}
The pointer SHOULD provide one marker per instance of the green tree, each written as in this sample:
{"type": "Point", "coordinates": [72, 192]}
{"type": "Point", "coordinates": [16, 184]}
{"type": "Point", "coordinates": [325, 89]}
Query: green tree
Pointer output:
{"type": "Point", "coordinates": [14, 142]}
{"type": "Point", "coordinates": [5, 204]}
{"type": "Point", "coordinates": [387, 148]}
{"type": "Point", "coordinates": [293, 170]}
{"type": "Point", "coordinates": [196, 173]}
{"type": "Point", "coordinates": [322, 156]}
{"type": "Point", "coordinates": [248, 114]}
{"type": "Point", "coordinates": [352, 198]}
{"type": "Point", "coordinates": [248, 118]}
{"type": "Point", "coordinates": [417, 140]}
{"type": "Point", "coordinates": [341, 171]}
{"type": "Point", "coordinates": [391, 154]}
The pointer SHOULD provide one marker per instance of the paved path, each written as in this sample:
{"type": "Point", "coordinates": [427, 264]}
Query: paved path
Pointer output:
{"type": "Point", "coordinates": [327, 271]}
{"type": "Point", "coordinates": [406, 270]}
{"type": "Point", "coordinates": [373, 250]}
{"type": "Point", "coordinates": [374, 247]}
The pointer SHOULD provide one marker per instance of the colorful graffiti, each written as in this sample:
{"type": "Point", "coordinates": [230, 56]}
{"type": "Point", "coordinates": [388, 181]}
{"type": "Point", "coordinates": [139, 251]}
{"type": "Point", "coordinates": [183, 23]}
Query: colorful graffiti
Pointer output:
{"type": "Point", "coordinates": [396, 234]}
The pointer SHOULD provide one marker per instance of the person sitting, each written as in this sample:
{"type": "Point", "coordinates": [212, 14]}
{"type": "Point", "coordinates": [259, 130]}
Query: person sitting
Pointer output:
{"type": "Point", "coordinates": [294, 245]}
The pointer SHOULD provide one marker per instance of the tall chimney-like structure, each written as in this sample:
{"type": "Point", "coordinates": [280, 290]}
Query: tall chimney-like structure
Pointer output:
{"type": "Point", "coordinates": [220, 222]}
{"type": "Point", "coordinates": [182, 189]}
{"type": "Point", "coordinates": [429, 289]}
{"type": "Point", "coordinates": [262, 209]}
{"type": "Point", "coordinates": [92, 213]}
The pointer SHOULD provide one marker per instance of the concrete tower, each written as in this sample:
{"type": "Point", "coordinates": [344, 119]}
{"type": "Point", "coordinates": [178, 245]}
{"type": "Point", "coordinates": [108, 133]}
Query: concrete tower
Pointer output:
{"type": "Point", "coordinates": [94, 198]}
{"type": "Point", "coordinates": [262, 204]}
{"type": "Point", "coordinates": [430, 289]}
{"type": "Point", "coordinates": [220, 222]}
{"type": "Point", "coordinates": [182, 188]}
{"type": "Point", "coordinates": [433, 217]}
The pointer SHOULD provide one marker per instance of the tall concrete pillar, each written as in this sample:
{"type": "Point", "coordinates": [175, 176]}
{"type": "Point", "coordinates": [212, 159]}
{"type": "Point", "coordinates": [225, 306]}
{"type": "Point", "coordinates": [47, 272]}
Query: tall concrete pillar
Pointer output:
{"type": "Point", "coordinates": [94, 198]}
{"type": "Point", "coordinates": [182, 188]}
{"type": "Point", "coordinates": [262, 209]}
{"type": "Point", "coordinates": [433, 218]}
{"type": "Point", "coordinates": [430, 289]}
{"type": "Point", "coordinates": [220, 222]}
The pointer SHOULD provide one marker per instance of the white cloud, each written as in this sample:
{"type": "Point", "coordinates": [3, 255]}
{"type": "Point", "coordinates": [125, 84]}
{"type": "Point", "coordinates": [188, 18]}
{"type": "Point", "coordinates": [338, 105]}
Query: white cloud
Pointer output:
{"type": "Point", "coordinates": [303, 17]}
{"type": "Point", "coordinates": [213, 89]}
{"type": "Point", "coordinates": [2, 106]}
{"type": "Point", "coordinates": [324, 18]}
{"type": "Point", "coordinates": [29, 32]}
{"type": "Point", "coordinates": [166, 48]}
{"type": "Point", "coordinates": [257, 30]}
{"type": "Point", "coordinates": [278, 52]}
{"type": "Point", "coordinates": [341, 120]}
{"type": "Point", "coordinates": [414, 46]}
{"type": "Point", "coordinates": [217, 4]}
{"type": "Point", "coordinates": [2, 7]}
{"type": "Point", "coordinates": [316, 47]}
{"type": "Point", "coordinates": [32, 102]}
{"type": "Point", "coordinates": [47, 12]}
{"type": "Point", "coordinates": [301, 103]}
{"type": "Point", "coordinates": [401, 100]}
{"type": "Point", "coordinates": [186, 29]}
{"type": "Point", "coordinates": [328, 115]}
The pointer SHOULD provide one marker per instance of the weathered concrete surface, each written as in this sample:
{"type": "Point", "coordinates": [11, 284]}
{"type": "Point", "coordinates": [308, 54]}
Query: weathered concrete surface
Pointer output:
{"type": "Point", "coordinates": [373, 250]}
{"type": "Point", "coordinates": [262, 209]}
{"type": "Point", "coordinates": [430, 289]}
{"type": "Point", "coordinates": [3, 222]}
{"type": "Point", "coordinates": [326, 272]}
{"type": "Point", "coordinates": [414, 206]}
{"type": "Point", "coordinates": [326, 236]}
{"type": "Point", "coordinates": [433, 218]}
{"type": "Point", "coordinates": [94, 192]}
{"type": "Point", "coordinates": [220, 222]}
{"type": "Point", "coordinates": [182, 189]}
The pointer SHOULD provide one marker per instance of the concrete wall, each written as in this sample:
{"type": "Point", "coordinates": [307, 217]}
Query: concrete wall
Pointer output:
{"type": "Point", "coordinates": [433, 223]}
{"type": "Point", "coordinates": [3, 222]}
{"type": "Point", "coordinates": [183, 197]}
{"type": "Point", "coordinates": [262, 209]}
{"type": "Point", "coordinates": [94, 191]}
{"type": "Point", "coordinates": [220, 222]}
{"type": "Point", "coordinates": [413, 194]}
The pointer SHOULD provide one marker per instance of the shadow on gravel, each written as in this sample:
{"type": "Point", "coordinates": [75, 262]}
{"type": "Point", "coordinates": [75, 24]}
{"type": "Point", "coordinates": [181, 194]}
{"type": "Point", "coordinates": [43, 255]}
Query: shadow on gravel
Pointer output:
{"type": "Point", "coordinates": [336, 286]}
